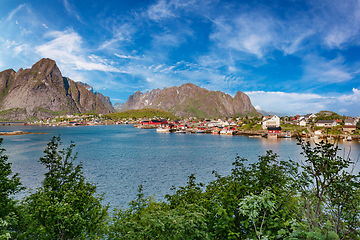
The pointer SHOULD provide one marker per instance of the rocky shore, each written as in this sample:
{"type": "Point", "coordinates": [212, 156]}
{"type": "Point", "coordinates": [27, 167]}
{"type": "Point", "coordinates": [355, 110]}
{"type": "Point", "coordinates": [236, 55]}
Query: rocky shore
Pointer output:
{"type": "Point", "coordinates": [17, 133]}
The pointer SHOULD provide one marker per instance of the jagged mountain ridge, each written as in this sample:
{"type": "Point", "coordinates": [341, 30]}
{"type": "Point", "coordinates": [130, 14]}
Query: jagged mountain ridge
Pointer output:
{"type": "Point", "coordinates": [106, 100]}
{"type": "Point", "coordinates": [190, 100]}
{"type": "Point", "coordinates": [42, 91]}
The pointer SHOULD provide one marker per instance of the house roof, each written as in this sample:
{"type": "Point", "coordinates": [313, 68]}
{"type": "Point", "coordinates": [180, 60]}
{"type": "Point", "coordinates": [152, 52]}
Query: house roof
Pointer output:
{"type": "Point", "coordinates": [274, 128]}
{"type": "Point", "coordinates": [325, 121]}
{"type": "Point", "coordinates": [349, 126]}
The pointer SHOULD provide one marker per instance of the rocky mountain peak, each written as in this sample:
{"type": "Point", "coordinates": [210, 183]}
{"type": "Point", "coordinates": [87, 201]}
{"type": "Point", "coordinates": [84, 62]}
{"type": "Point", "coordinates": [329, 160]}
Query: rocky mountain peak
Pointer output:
{"type": "Point", "coordinates": [42, 91]}
{"type": "Point", "coordinates": [191, 100]}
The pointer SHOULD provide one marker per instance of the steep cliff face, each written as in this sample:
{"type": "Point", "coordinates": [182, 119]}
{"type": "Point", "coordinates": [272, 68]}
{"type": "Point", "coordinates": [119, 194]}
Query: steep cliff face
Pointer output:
{"type": "Point", "coordinates": [42, 91]}
{"type": "Point", "coordinates": [191, 100]}
{"type": "Point", "coordinates": [105, 100]}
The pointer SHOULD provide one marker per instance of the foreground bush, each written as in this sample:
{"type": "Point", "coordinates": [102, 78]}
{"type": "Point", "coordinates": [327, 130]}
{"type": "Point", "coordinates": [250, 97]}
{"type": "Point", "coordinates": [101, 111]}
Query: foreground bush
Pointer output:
{"type": "Point", "coordinates": [66, 206]}
{"type": "Point", "coordinates": [270, 199]}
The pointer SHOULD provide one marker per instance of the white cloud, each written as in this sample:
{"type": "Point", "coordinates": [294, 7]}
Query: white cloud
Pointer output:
{"type": "Point", "coordinates": [250, 33]}
{"type": "Point", "coordinates": [126, 56]}
{"type": "Point", "coordinates": [302, 103]}
{"type": "Point", "coordinates": [121, 33]}
{"type": "Point", "coordinates": [20, 48]}
{"type": "Point", "coordinates": [341, 20]}
{"type": "Point", "coordinates": [66, 47]}
{"type": "Point", "coordinates": [351, 98]}
{"type": "Point", "coordinates": [71, 10]}
{"type": "Point", "coordinates": [324, 70]}
{"type": "Point", "coordinates": [160, 11]}
{"type": "Point", "coordinates": [13, 12]}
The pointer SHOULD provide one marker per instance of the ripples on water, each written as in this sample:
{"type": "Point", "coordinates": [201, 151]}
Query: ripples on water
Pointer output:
{"type": "Point", "coordinates": [120, 157]}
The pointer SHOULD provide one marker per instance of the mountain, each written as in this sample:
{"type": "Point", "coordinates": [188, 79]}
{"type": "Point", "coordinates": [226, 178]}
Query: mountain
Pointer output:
{"type": "Point", "coordinates": [271, 113]}
{"type": "Point", "coordinates": [190, 100]}
{"type": "Point", "coordinates": [119, 106]}
{"type": "Point", "coordinates": [42, 91]}
{"type": "Point", "coordinates": [106, 100]}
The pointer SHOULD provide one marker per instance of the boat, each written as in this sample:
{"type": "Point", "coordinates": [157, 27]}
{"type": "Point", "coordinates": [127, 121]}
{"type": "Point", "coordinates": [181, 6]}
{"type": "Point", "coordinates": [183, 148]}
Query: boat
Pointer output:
{"type": "Point", "coordinates": [215, 132]}
{"type": "Point", "coordinates": [227, 132]}
{"type": "Point", "coordinates": [348, 138]}
{"type": "Point", "coordinates": [287, 136]}
{"type": "Point", "coordinates": [200, 131]}
{"type": "Point", "coordinates": [180, 131]}
{"type": "Point", "coordinates": [161, 129]}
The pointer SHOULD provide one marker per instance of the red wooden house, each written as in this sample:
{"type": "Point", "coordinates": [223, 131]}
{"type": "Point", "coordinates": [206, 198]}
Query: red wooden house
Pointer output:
{"type": "Point", "coordinates": [274, 130]}
{"type": "Point", "coordinates": [155, 122]}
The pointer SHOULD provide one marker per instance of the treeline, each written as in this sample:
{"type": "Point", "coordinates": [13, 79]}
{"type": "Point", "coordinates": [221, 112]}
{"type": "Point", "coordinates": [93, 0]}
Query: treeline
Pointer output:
{"type": "Point", "coordinates": [270, 199]}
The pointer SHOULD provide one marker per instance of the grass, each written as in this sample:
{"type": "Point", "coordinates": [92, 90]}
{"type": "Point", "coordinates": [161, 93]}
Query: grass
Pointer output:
{"type": "Point", "coordinates": [140, 113]}
{"type": "Point", "coordinates": [290, 127]}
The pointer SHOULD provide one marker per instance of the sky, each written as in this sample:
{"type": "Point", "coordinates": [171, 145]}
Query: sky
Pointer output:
{"type": "Point", "coordinates": [289, 56]}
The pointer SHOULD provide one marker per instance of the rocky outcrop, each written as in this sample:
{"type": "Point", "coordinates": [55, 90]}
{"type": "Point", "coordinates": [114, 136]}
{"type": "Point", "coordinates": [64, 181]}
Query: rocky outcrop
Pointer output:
{"type": "Point", "coordinates": [42, 91]}
{"type": "Point", "coordinates": [191, 100]}
{"type": "Point", "coordinates": [105, 100]}
{"type": "Point", "coordinates": [119, 106]}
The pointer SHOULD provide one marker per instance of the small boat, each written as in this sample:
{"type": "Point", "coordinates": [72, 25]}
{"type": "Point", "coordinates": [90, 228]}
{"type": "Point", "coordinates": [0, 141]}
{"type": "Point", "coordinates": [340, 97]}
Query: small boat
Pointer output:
{"type": "Point", "coordinates": [348, 138]}
{"type": "Point", "coordinates": [180, 131]}
{"type": "Point", "coordinates": [161, 129]}
{"type": "Point", "coordinates": [215, 132]}
{"type": "Point", "coordinates": [227, 132]}
{"type": "Point", "coordinates": [287, 136]}
{"type": "Point", "coordinates": [200, 131]}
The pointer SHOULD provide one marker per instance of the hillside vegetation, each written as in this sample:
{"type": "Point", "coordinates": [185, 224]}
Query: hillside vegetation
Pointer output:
{"type": "Point", "coordinates": [140, 113]}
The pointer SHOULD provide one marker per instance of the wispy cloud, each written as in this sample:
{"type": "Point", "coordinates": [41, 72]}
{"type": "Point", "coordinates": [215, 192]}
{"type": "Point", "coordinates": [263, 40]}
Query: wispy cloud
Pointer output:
{"type": "Point", "coordinates": [66, 47]}
{"type": "Point", "coordinates": [71, 10]}
{"type": "Point", "coordinates": [326, 71]}
{"type": "Point", "coordinates": [126, 56]}
{"type": "Point", "coordinates": [249, 33]}
{"type": "Point", "coordinates": [161, 10]}
{"type": "Point", "coordinates": [339, 20]}
{"type": "Point", "coordinates": [13, 12]}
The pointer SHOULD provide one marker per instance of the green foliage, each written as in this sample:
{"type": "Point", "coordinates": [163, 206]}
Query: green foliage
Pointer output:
{"type": "Point", "coordinates": [4, 233]}
{"type": "Point", "coordinates": [149, 219]}
{"type": "Point", "coordinates": [221, 197]}
{"type": "Point", "coordinates": [55, 113]}
{"type": "Point", "coordinates": [269, 199]}
{"type": "Point", "coordinates": [140, 113]}
{"type": "Point", "coordinates": [327, 115]}
{"type": "Point", "coordinates": [8, 114]}
{"type": "Point", "coordinates": [9, 185]}
{"type": "Point", "coordinates": [66, 206]}
{"type": "Point", "coordinates": [255, 208]}
{"type": "Point", "coordinates": [329, 195]}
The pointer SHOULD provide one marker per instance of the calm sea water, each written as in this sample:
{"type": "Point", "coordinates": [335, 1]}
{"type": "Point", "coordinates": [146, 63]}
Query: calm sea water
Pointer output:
{"type": "Point", "coordinates": [118, 158]}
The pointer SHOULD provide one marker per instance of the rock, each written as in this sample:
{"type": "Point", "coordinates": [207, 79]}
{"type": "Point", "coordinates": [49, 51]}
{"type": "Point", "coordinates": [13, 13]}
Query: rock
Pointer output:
{"type": "Point", "coordinates": [42, 92]}
{"type": "Point", "coordinates": [190, 100]}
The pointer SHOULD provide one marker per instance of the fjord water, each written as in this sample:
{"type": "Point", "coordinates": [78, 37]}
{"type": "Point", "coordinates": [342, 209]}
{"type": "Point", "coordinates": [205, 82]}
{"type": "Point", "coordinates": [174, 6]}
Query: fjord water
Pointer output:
{"type": "Point", "coordinates": [118, 158]}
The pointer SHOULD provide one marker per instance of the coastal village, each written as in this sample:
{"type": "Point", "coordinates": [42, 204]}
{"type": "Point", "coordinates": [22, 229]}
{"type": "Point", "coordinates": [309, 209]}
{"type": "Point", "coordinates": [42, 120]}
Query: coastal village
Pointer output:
{"type": "Point", "coordinates": [347, 128]}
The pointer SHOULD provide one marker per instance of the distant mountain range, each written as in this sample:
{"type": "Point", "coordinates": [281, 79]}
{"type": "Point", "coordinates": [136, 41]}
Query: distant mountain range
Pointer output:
{"type": "Point", "coordinates": [190, 100]}
{"type": "Point", "coordinates": [41, 92]}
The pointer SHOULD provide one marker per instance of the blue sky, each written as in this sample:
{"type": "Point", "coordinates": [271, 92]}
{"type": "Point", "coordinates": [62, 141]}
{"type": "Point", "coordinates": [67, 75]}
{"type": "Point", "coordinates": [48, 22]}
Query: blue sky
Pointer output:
{"type": "Point", "coordinates": [290, 57]}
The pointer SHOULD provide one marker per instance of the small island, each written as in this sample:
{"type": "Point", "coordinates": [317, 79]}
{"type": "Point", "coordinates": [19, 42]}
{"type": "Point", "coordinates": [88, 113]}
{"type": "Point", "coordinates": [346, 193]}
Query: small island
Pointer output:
{"type": "Point", "coordinates": [18, 133]}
